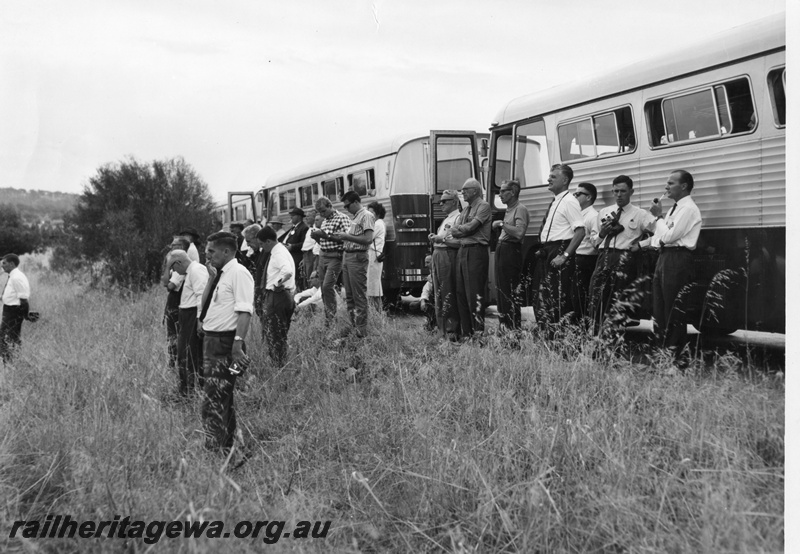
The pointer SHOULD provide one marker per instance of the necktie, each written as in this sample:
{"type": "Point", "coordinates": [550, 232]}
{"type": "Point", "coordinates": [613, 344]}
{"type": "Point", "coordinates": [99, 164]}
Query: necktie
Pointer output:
{"type": "Point", "coordinates": [207, 301]}
{"type": "Point", "coordinates": [672, 211]}
{"type": "Point", "coordinates": [267, 257]}
{"type": "Point", "coordinates": [547, 213]}
{"type": "Point", "coordinates": [610, 236]}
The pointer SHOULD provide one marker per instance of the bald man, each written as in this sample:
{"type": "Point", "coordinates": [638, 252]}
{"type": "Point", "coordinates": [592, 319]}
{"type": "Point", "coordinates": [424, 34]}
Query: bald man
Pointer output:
{"type": "Point", "coordinates": [473, 229]}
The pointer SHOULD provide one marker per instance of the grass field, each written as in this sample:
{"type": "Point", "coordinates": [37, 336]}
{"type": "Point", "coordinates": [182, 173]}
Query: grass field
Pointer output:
{"type": "Point", "coordinates": [402, 443]}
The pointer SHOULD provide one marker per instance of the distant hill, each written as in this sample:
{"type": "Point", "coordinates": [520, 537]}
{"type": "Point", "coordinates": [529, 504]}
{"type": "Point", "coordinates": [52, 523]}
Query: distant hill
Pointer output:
{"type": "Point", "coordinates": [38, 206]}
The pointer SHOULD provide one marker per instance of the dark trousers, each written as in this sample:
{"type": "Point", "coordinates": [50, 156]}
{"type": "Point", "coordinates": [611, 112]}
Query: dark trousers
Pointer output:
{"type": "Point", "coordinates": [443, 268]}
{"type": "Point", "coordinates": [354, 275]}
{"type": "Point", "coordinates": [671, 288]}
{"type": "Point", "coordinates": [552, 285]}
{"type": "Point", "coordinates": [172, 321]}
{"type": "Point", "coordinates": [615, 270]}
{"type": "Point", "coordinates": [219, 416]}
{"type": "Point", "coordinates": [584, 268]}
{"type": "Point", "coordinates": [11, 330]}
{"type": "Point", "coordinates": [278, 307]}
{"type": "Point", "coordinates": [472, 272]}
{"type": "Point", "coordinates": [507, 271]}
{"type": "Point", "coordinates": [330, 266]}
{"type": "Point", "coordinates": [309, 263]}
{"type": "Point", "coordinates": [190, 351]}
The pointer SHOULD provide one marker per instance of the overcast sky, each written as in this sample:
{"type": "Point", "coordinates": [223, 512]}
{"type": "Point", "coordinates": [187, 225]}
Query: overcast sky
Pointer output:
{"type": "Point", "coordinates": [245, 89]}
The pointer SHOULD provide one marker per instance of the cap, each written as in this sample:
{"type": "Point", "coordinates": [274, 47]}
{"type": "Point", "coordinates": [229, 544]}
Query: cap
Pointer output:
{"type": "Point", "coordinates": [275, 221]}
{"type": "Point", "coordinates": [449, 195]}
{"type": "Point", "coordinates": [297, 211]}
{"type": "Point", "coordinates": [190, 231]}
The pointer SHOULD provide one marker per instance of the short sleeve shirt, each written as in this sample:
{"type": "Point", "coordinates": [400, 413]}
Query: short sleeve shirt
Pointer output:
{"type": "Point", "coordinates": [362, 222]}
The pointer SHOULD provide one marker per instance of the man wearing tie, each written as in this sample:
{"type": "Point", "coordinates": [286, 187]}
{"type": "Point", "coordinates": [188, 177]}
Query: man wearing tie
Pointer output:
{"type": "Point", "coordinates": [224, 321]}
{"type": "Point", "coordinates": [293, 240]}
{"type": "Point", "coordinates": [674, 269]}
{"type": "Point", "coordinates": [620, 227]}
{"type": "Point", "coordinates": [560, 234]}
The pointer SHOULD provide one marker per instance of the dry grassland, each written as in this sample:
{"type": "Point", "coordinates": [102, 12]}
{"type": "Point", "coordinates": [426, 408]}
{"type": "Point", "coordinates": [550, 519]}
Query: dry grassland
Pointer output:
{"type": "Point", "coordinates": [404, 444]}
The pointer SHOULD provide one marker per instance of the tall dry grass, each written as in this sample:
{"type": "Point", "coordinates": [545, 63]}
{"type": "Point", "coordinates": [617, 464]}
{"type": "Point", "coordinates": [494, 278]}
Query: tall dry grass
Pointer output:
{"type": "Point", "coordinates": [404, 443]}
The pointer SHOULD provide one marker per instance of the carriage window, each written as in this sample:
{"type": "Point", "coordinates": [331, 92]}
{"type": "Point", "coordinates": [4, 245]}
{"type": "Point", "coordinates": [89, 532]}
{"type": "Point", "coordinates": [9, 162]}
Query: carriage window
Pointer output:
{"type": "Point", "coordinates": [502, 160]}
{"type": "Point", "coordinates": [598, 135]}
{"type": "Point", "coordinates": [531, 162]}
{"type": "Point", "coordinates": [306, 196]}
{"type": "Point", "coordinates": [454, 157]}
{"type": "Point", "coordinates": [720, 110]}
{"type": "Point", "coordinates": [333, 189]}
{"type": "Point", "coordinates": [363, 182]}
{"type": "Point", "coordinates": [777, 92]}
{"type": "Point", "coordinates": [287, 200]}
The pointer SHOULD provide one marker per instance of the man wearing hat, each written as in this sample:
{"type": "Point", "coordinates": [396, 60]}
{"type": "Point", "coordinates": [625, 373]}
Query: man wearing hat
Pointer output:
{"type": "Point", "coordinates": [277, 225]}
{"type": "Point", "coordinates": [191, 234]}
{"type": "Point", "coordinates": [443, 267]}
{"type": "Point", "coordinates": [293, 240]}
{"type": "Point", "coordinates": [473, 229]}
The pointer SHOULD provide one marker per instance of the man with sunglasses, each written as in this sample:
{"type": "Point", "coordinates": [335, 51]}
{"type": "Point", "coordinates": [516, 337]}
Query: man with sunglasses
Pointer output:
{"type": "Point", "coordinates": [443, 267]}
{"type": "Point", "coordinates": [508, 255]}
{"type": "Point", "coordinates": [586, 254]}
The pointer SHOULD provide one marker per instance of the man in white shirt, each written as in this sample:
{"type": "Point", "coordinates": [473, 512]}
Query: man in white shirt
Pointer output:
{"type": "Point", "coordinates": [224, 321]}
{"type": "Point", "coordinates": [621, 227]}
{"type": "Point", "coordinates": [310, 247]}
{"type": "Point", "coordinates": [443, 268]}
{"type": "Point", "coordinates": [311, 297]}
{"type": "Point", "coordinates": [560, 234]}
{"type": "Point", "coordinates": [278, 301]}
{"type": "Point", "coordinates": [190, 344]}
{"type": "Point", "coordinates": [173, 281]}
{"type": "Point", "coordinates": [586, 254]}
{"type": "Point", "coordinates": [16, 293]}
{"type": "Point", "coordinates": [679, 232]}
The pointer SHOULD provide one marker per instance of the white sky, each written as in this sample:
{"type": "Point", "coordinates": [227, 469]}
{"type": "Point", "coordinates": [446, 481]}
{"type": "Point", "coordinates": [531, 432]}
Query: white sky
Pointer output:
{"type": "Point", "coordinates": [245, 89]}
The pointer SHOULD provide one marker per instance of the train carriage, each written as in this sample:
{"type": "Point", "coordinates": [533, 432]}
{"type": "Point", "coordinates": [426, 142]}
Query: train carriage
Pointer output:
{"type": "Point", "coordinates": [716, 110]}
{"type": "Point", "coordinates": [406, 175]}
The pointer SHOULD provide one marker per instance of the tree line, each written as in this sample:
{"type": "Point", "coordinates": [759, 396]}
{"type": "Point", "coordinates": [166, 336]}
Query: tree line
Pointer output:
{"type": "Point", "coordinates": [121, 223]}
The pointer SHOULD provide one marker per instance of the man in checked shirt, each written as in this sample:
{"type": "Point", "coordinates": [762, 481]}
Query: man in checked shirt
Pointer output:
{"type": "Point", "coordinates": [329, 265]}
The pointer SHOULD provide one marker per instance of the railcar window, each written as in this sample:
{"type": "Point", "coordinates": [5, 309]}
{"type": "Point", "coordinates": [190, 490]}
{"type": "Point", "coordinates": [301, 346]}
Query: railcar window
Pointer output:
{"type": "Point", "coordinates": [716, 111]}
{"type": "Point", "coordinates": [453, 162]}
{"type": "Point", "coordinates": [333, 189]}
{"type": "Point", "coordinates": [306, 196]}
{"type": "Point", "coordinates": [531, 161]}
{"type": "Point", "coordinates": [363, 182]}
{"type": "Point", "coordinates": [598, 135]}
{"type": "Point", "coordinates": [502, 161]}
{"type": "Point", "coordinates": [777, 92]}
{"type": "Point", "coordinates": [287, 200]}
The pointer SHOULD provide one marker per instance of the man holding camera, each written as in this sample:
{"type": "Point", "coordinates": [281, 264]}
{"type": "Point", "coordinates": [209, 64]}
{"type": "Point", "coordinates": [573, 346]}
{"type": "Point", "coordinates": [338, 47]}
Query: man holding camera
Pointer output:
{"type": "Point", "coordinates": [16, 292]}
{"type": "Point", "coordinates": [224, 320]}
{"type": "Point", "coordinates": [621, 226]}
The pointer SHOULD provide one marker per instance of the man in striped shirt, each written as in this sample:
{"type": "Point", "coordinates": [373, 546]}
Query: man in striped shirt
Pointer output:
{"type": "Point", "coordinates": [329, 265]}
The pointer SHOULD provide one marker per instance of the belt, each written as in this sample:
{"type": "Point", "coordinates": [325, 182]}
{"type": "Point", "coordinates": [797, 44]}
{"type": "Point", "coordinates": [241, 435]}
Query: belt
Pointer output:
{"type": "Point", "coordinates": [613, 250]}
{"type": "Point", "coordinates": [221, 334]}
{"type": "Point", "coordinates": [331, 252]}
{"type": "Point", "coordinates": [675, 248]}
{"type": "Point", "coordinates": [556, 242]}
{"type": "Point", "coordinates": [354, 251]}
{"type": "Point", "coordinates": [445, 248]}
{"type": "Point", "coordinates": [471, 244]}
{"type": "Point", "coordinates": [509, 243]}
